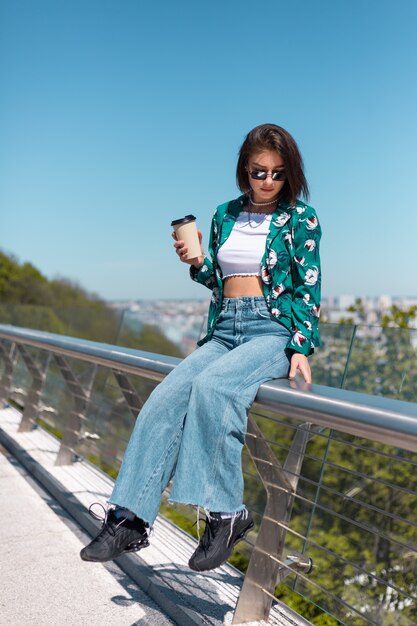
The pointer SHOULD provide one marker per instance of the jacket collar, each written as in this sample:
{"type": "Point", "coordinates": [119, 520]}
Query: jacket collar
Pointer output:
{"type": "Point", "coordinates": [280, 217]}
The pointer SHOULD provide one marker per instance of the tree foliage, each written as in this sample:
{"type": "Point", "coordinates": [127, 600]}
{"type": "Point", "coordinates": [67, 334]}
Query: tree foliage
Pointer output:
{"type": "Point", "coordinates": [30, 300]}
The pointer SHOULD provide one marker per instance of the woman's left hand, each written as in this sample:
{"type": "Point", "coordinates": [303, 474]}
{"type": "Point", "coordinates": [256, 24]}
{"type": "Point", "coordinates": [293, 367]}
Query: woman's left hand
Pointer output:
{"type": "Point", "coordinates": [300, 362]}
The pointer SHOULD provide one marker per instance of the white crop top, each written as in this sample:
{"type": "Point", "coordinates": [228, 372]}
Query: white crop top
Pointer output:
{"type": "Point", "coordinates": [242, 252]}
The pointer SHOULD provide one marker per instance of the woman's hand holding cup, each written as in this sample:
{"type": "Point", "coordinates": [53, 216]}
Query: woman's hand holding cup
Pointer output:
{"type": "Point", "coordinates": [182, 250]}
{"type": "Point", "coordinates": [188, 241]}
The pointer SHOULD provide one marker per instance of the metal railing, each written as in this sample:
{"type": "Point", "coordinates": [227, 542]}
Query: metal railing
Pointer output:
{"type": "Point", "coordinates": [338, 471]}
{"type": "Point", "coordinates": [360, 357]}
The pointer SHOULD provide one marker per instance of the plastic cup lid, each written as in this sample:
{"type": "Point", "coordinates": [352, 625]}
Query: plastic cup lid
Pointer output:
{"type": "Point", "coordinates": [183, 220]}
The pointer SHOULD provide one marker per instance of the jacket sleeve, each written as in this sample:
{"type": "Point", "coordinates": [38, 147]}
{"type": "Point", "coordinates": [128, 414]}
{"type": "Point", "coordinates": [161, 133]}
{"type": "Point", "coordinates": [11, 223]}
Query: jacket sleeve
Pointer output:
{"type": "Point", "coordinates": [306, 275]}
{"type": "Point", "coordinates": [205, 274]}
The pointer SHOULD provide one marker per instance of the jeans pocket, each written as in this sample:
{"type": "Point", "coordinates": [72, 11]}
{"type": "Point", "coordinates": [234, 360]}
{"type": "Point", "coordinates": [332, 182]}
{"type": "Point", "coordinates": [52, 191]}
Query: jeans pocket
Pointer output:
{"type": "Point", "coordinates": [263, 313]}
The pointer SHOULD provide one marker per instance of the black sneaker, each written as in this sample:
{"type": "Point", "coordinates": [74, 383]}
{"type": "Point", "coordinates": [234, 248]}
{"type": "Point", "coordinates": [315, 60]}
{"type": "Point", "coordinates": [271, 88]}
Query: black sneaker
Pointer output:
{"type": "Point", "coordinates": [220, 536]}
{"type": "Point", "coordinates": [115, 537]}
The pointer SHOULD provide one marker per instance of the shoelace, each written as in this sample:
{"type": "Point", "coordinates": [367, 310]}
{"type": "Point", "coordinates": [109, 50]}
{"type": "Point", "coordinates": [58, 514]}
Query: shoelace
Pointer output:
{"type": "Point", "coordinates": [209, 532]}
{"type": "Point", "coordinates": [212, 524]}
{"type": "Point", "coordinates": [103, 518]}
{"type": "Point", "coordinates": [112, 527]}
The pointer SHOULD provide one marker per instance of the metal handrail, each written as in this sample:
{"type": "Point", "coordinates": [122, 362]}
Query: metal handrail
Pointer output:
{"type": "Point", "coordinates": [379, 419]}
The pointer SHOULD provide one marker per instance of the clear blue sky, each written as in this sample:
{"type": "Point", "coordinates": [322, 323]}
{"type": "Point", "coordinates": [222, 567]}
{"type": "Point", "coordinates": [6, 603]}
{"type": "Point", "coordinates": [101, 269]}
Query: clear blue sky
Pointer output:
{"type": "Point", "coordinates": [116, 117]}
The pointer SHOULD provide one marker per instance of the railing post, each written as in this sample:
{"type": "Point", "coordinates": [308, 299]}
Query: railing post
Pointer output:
{"type": "Point", "coordinates": [38, 374]}
{"type": "Point", "coordinates": [80, 397]}
{"type": "Point", "coordinates": [7, 378]}
{"type": "Point", "coordinates": [281, 485]}
{"type": "Point", "coordinates": [133, 400]}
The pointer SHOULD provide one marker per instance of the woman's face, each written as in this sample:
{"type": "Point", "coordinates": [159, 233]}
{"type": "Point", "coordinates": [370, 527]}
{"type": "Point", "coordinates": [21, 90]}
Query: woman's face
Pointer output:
{"type": "Point", "coordinates": [265, 161]}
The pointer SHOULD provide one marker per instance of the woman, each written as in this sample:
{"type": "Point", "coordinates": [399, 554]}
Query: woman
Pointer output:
{"type": "Point", "coordinates": [264, 272]}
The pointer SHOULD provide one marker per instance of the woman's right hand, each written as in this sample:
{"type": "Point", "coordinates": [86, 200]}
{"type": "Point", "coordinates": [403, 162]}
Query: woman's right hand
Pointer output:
{"type": "Point", "coordinates": [181, 250]}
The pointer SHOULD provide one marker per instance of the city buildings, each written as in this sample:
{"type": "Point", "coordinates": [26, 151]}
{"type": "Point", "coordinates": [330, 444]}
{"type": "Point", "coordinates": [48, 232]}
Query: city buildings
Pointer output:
{"type": "Point", "coordinates": [184, 321]}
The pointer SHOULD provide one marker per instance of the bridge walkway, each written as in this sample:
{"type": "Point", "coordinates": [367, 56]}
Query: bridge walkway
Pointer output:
{"type": "Point", "coordinates": [43, 579]}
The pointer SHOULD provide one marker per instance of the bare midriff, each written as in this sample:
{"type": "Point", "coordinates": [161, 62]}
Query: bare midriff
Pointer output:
{"type": "Point", "coordinates": [237, 286]}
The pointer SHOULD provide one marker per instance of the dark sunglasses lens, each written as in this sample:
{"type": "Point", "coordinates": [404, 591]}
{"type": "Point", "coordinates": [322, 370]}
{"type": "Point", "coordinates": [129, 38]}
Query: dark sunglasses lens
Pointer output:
{"type": "Point", "coordinates": [261, 175]}
{"type": "Point", "coordinates": [258, 174]}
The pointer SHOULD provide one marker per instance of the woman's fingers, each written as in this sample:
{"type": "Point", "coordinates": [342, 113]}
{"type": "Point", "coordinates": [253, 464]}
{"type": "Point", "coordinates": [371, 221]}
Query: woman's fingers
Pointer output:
{"type": "Point", "coordinates": [300, 362]}
{"type": "Point", "coordinates": [181, 247]}
{"type": "Point", "coordinates": [182, 250]}
{"type": "Point", "coordinates": [305, 372]}
{"type": "Point", "coordinates": [183, 253]}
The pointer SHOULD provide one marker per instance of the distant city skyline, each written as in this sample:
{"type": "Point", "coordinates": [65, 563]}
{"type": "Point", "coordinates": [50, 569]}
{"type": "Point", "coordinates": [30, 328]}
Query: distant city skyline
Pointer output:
{"type": "Point", "coordinates": [342, 300]}
{"type": "Point", "coordinates": [184, 321]}
{"type": "Point", "coordinates": [117, 118]}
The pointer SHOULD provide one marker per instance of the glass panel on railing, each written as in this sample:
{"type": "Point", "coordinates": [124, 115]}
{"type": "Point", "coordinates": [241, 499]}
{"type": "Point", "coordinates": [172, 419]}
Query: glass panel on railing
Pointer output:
{"type": "Point", "coordinates": [383, 362]}
{"type": "Point", "coordinates": [328, 362]}
{"type": "Point", "coordinates": [95, 323]}
{"type": "Point", "coordinates": [140, 332]}
{"type": "Point", "coordinates": [171, 328]}
{"type": "Point", "coordinates": [32, 316]}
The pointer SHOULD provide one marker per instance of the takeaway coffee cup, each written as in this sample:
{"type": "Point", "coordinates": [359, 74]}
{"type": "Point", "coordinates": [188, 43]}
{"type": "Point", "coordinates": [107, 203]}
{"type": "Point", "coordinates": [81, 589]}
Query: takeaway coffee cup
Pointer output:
{"type": "Point", "coordinates": [186, 230]}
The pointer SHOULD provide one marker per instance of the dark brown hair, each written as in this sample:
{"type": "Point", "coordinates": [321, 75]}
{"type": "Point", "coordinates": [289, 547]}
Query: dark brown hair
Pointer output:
{"type": "Point", "coordinates": [272, 137]}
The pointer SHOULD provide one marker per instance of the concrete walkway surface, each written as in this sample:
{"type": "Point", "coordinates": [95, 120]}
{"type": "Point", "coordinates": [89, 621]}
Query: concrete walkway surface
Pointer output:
{"type": "Point", "coordinates": [43, 580]}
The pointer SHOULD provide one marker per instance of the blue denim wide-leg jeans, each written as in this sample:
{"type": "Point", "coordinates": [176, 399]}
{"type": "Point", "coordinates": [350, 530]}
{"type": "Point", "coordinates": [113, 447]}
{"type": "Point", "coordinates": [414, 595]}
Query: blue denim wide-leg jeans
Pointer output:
{"type": "Point", "coordinates": [193, 425]}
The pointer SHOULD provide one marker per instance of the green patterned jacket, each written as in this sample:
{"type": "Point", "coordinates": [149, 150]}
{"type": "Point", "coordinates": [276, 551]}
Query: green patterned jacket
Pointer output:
{"type": "Point", "coordinates": [290, 270]}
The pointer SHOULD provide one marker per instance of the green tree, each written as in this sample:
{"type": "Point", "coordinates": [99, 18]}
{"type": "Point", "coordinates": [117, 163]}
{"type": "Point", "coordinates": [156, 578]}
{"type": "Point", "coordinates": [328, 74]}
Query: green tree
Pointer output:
{"type": "Point", "coordinates": [402, 318]}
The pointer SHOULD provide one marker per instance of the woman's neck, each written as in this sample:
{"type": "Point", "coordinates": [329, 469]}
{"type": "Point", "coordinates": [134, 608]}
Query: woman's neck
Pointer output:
{"type": "Point", "coordinates": [266, 208]}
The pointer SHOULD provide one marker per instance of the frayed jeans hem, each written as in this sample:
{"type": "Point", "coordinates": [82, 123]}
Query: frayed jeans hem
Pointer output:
{"type": "Point", "coordinates": [206, 507]}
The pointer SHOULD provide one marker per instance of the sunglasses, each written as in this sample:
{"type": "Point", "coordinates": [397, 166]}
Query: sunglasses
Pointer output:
{"type": "Point", "coordinates": [263, 175]}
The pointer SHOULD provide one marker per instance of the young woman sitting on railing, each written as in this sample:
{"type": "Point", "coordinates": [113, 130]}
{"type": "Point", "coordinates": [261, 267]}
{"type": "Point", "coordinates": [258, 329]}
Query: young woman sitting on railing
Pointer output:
{"type": "Point", "coordinates": [264, 272]}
